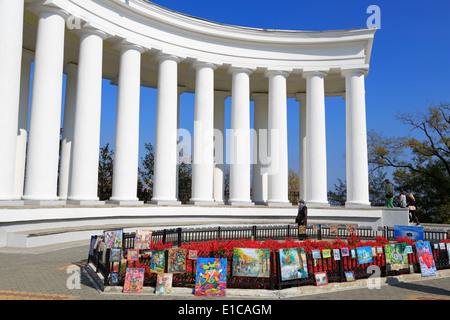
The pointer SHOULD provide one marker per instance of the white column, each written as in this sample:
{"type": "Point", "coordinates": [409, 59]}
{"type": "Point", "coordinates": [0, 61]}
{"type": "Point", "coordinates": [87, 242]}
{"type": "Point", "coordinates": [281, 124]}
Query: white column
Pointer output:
{"type": "Point", "coordinates": [22, 133]}
{"type": "Point", "coordinates": [240, 138]}
{"type": "Point", "coordinates": [301, 98]}
{"type": "Point", "coordinates": [86, 136]}
{"type": "Point", "coordinates": [11, 27]}
{"type": "Point", "coordinates": [71, 71]}
{"type": "Point", "coordinates": [126, 143]}
{"type": "Point", "coordinates": [203, 146]}
{"type": "Point", "coordinates": [45, 117]}
{"type": "Point", "coordinates": [260, 148]}
{"type": "Point", "coordinates": [356, 140]}
{"type": "Point", "coordinates": [316, 157]}
{"type": "Point", "coordinates": [165, 169]}
{"type": "Point", "coordinates": [219, 145]}
{"type": "Point", "coordinates": [277, 129]}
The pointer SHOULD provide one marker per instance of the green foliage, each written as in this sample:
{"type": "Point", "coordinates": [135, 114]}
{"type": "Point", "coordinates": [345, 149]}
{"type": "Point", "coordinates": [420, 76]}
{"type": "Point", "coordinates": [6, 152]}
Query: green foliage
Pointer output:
{"type": "Point", "coordinates": [105, 173]}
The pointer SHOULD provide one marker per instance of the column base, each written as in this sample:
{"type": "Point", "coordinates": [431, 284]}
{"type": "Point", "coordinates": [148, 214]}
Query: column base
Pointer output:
{"type": "Point", "coordinates": [86, 202]}
{"type": "Point", "coordinates": [45, 202]}
{"type": "Point", "coordinates": [11, 203]}
{"type": "Point", "coordinates": [278, 204]}
{"type": "Point", "coordinates": [350, 204]}
{"type": "Point", "coordinates": [240, 203]}
{"type": "Point", "coordinates": [202, 202]}
{"type": "Point", "coordinates": [165, 202]}
{"type": "Point", "coordinates": [126, 202]}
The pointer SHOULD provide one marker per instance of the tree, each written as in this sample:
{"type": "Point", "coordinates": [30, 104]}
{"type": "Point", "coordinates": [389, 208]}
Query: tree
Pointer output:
{"type": "Point", "coordinates": [105, 173]}
{"type": "Point", "coordinates": [339, 195]}
{"type": "Point", "coordinates": [293, 187]}
{"type": "Point", "coordinates": [145, 173]}
{"type": "Point", "coordinates": [421, 161]}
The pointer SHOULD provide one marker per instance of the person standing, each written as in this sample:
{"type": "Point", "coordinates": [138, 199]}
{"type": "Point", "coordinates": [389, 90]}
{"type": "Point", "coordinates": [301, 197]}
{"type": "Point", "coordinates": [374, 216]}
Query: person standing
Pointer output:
{"type": "Point", "coordinates": [412, 209]}
{"type": "Point", "coordinates": [389, 193]}
{"type": "Point", "coordinates": [402, 199]}
{"type": "Point", "coordinates": [301, 220]}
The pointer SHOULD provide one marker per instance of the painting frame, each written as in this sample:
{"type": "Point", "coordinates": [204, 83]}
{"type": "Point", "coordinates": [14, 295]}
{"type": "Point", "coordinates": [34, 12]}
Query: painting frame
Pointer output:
{"type": "Point", "coordinates": [176, 262]}
{"type": "Point", "coordinates": [293, 263]}
{"type": "Point", "coordinates": [321, 278]}
{"type": "Point", "coordinates": [211, 277]}
{"type": "Point", "coordinates": [251, 262]}
{"type": "Point", "coordinates": [134, 280]}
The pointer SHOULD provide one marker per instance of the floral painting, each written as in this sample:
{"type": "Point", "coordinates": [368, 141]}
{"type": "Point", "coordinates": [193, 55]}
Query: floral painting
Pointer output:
{"type": "Point", "coordinates": [211, 277]}
{"type": "Point", "coordinates": [164, 284]}
{"type": "Point", "coordinates": [364, 255]}
{"type": "Point", "coordinates": [177, 261]}
{"type": "Point", "coordinates": [293, 263]}
{"type": "Point", "coordinates": [426, 260]}
{"type": "Point", "coordinates": [249, 262]}
{"type": "Point", "coordinates": [113, 238]}
{"type": "Point", "coordinates": [396, 256]}
{"type": "Point", "coordinates": [134, 280]}
{"type": "Point", "coordinates": [158, 261]}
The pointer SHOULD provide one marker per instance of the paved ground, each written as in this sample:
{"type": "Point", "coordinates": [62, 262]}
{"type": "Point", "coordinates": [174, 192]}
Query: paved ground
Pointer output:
{"type": "Point", "coordinates": [46, 275]}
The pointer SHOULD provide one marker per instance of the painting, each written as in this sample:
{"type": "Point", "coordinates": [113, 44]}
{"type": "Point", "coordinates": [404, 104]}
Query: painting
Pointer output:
{"type": "Point", "coordinates": [92, 245]}
{"type": "Point", "coordinates": [143, 239]}
{"type": "Point", "coordinates": [364, 255]}
{"type": "Point", "coordinates": [192, 254]}
{"type": "Point", "coordinates": [134, 280]}
{"type": "Point", "coordinates": [211, 277]}
{"type": "Point", "coordinates": [353, 253]}
{"type": "Point", "coordinates": [164, 284]}
{"type": "Point", "coordinates": [321, 278]}
{"type": "Point", "coordinates": [177, 260]}
{"type": "Point", "coordinates": [316, 254]}
{"type": "Point", "coordinates": [115, 255]}
{"type": "Point", "coordinates": [293, 263]}
{"type": "Point", "coordinates": [336, 254]}
{"type": "Point", "coordinates": [301, 230]}
{"type": "Point", "coordinates": [158, 261]}
{"type": "Point", "coordinates": [448, 250]}
{"type": "Point", "coordinates": [326, 253]}
{"type": "Point", "coordinates": [349, 276]}
{"type": "Point", "coordinates": [251, 262]}
{"type": "Point", "coordinates": [413, 233]}
{"type": "Point", "coordinates": [133, 255]}
{"type": "Point", "coordinates": [113, 238]}
{"type": "Point", "coordinates": [345, 252]}
{"type": "Point", "coordinates": [114, 278]}
{"type": "Point", "coordinates": [334, 228]}
{"type": "Point", "coordinates": [351, 228]}
{"type": "Point", "coordinates": [426, 260]}
{"type": "Point", "coordinates": [396, 256]}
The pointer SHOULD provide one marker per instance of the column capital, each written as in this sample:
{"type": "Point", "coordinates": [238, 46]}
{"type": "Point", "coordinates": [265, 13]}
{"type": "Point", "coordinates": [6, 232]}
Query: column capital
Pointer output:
{"type": "Point", "coordinates": [88, 29]}
{"type": "Point", "coordinates": [233, 70]}
{"type": "Point", "coordinates": [162, 56]}
{"type": "Point", "coordinates": [204, 64]}
{"type": "Point", "coordinates": [349, 71]}
{"type": "Point", "coordinates": [269, 73]}
{"type": "Point", "coordinates": [125, 44]}
{"type": "Point", "coordinates": [307, 73]}
{"type": "Point", "coordinates": [44, 6]}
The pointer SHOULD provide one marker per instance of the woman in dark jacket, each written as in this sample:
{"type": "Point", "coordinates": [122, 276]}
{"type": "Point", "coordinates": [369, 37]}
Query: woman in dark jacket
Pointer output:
{"type": "Point", "coordinates": [302, 217]}
{"type": "Point", "coordinates": [412, 208]}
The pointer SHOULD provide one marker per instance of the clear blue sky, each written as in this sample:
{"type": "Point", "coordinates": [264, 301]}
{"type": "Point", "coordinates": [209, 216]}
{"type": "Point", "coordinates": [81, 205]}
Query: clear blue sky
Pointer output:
{"type": "Point", "coordinates": [410, 63]}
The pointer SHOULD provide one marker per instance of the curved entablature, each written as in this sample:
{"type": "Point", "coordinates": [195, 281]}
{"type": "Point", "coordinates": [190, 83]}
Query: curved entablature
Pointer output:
{"type": "Point", "coordinates": [158, 29]}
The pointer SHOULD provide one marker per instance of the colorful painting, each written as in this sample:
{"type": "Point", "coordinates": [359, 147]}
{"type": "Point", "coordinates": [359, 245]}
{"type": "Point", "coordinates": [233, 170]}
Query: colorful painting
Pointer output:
{"type": "Point", "coordinates": [177, 261]}
{"type": "Point", "coordinates": [113, 238]}
{"type": "Point", "coordinates": [345, 252]}
{"type": "Point", "coordinates": [164, 284]}
{"type": "Point", "coordinates": [316, 254]}
{"type": "Point", "coordinates": [251, 262]}
{"type": "Point", "coordinates": [133, 255]}
{"type": "Point", "coordinates": [364, 255]}
{"type": "Point", "coordinates": [326, 253]}
{"type": "Point", "coordinates": [143, 239]}
{"type": "Point", "coordinates": [448, 250]}
{"type": "Point", "coordinates": [134, 280]}
{"type": "Point", "coordinates": [334, 228]}
{"type": "Point", "coordinates": [321, 278]}
{"type": "Point", "coordinates": [301, 230]}
{"type": "Point", "coordinates": [336, 254]}
{"type": "Point", "coordinates": [351, 228]}
{"type": "Point", "coordinates": [115, 255]}
{"type": "Point", "coordinates": [413, 233]}
{"type": "Point", "coordinates": [293, 263]}
{"type": "Point", "coordinates": [114, 278]}
{"type": "Point", "coordinates": [92, 245]}
{"type": "Point", "coordinates": [158, 262]}
{"type": "Point", "coordinates": [192, 254]}
{"type": "Point", "coordinates": [396, 256]}
{"type": "Point", "coordinates": [353, 253]}
{"type": "Point", "coordinates": [211, 277]}
{"type": "Point", "coordinates": [426, 260]}
{"type": "Point", "coordinates": [349, 276]}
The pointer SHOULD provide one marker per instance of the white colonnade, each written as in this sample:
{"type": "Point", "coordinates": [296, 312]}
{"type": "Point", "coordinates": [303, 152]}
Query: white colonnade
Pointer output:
{"type": "Point", "coordinates": [75, 182]}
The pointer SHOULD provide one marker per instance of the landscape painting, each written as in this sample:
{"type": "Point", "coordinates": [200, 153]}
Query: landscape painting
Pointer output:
{"type": "Point", "coordinates": [293, 263]}
{"type": "Point", "coordinates": [396, 256]}
{"type": "Point", "coordinates": [364, 255]}
{"type": "Point", "coordinates": [251, 262]}
{"type": "Point", "coordinates": [211, 277]}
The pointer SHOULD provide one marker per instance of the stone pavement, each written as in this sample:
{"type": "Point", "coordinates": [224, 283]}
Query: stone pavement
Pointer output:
{"type": "Point", "coordinates": [54, 273]}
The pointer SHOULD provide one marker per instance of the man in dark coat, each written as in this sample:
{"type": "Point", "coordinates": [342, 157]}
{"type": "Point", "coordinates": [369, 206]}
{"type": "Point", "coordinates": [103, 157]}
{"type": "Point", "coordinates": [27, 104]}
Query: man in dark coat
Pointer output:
{"type": "Point", "coordinates": [301, 219]}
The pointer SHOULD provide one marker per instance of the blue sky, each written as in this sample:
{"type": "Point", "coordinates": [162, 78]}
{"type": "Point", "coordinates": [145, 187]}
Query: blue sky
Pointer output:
{"type": "Point", "coordinates": [409, 66]}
